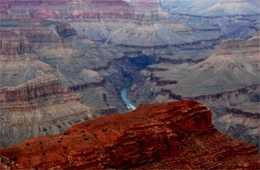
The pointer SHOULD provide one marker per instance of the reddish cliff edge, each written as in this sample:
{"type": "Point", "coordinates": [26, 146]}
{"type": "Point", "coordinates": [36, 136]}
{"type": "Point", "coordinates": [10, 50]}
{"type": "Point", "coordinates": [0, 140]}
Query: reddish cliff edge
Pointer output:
{"type": "Point", "coordinates": [170, 135]}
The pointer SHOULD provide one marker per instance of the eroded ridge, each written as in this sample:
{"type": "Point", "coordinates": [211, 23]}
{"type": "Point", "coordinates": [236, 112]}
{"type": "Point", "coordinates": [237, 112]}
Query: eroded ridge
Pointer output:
{"type": "Point", "coordinates": [169, 135]}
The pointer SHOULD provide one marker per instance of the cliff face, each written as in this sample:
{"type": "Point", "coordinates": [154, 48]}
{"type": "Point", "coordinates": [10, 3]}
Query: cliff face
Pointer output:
{"type": "Point", "coordinates": [71, 9]}
{"type": "Point", "coordinates": [225, 81]}
{"type": "Point", "coordinates": [169, 135]}
{"type": "Point", "coordinates": [41, 106]}
{"type": "Point", "coordinates": [147, 23]}
{"type": "Point", "coordinates": [43, 86]}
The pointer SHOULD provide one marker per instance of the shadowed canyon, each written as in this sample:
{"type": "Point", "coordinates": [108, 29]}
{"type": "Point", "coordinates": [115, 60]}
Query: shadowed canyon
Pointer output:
{"type": "Point", "coordinates": [66, 62]}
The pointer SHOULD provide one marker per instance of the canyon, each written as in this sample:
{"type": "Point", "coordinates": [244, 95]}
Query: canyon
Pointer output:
{"type": "Point", "coordinates": [40, 107]}
{"type": "Point", "coordinates": [153, 136]}
{"type": "Point", "coordinates": [64, 62]}
{"type": "Point", "coordinates": [227, 81]}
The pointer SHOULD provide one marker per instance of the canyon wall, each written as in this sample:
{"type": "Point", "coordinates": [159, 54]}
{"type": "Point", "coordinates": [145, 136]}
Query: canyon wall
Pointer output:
{"type": "Point", "coordinates": [227, 81]}
{"type": "Point", "coordinates": [40, 107]}
{"type": "Point", "coordinates": [92, 49]}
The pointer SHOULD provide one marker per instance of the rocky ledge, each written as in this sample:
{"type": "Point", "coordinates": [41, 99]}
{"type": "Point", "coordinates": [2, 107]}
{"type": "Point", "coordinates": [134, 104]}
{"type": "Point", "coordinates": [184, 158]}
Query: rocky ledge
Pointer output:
{"type": "Point", "coordinates": [43, 86]}
{"type": "Point", "coordinates": [170, 135]}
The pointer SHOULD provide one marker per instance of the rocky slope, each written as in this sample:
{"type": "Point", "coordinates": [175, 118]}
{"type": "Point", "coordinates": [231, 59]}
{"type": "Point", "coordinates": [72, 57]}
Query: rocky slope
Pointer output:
{"type": "Point", "coordinates": [224, 70]}
{"type": "Point", "coordinates": [170, 135]}
{"type": "Point", "coordinates": [228, 79]}
{"type": "Point", "coordinates": [213, 7]}
{"type": "Point", "coordinates": [39, 107]}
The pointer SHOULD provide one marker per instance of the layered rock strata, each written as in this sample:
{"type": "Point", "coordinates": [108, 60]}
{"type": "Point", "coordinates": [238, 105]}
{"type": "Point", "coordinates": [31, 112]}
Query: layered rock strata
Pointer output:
{"type": "Point", "coordinates": [227, 80]}
{"type": "Point", "coordinates": [39, 107]}
{"type": "Point", "coordinates": [80, 42]}
{"type": "Point", "coordinates": [170, 135]}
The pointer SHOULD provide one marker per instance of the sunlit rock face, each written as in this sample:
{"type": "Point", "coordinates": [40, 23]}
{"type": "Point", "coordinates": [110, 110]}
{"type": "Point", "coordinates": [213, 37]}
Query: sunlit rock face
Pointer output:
{"type": "Point", "coordinates": [155, 136]}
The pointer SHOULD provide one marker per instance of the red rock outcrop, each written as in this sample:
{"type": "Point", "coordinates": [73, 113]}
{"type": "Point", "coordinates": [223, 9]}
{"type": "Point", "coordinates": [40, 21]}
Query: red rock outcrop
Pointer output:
{"type": "Point", "coordinates": [170, 135]}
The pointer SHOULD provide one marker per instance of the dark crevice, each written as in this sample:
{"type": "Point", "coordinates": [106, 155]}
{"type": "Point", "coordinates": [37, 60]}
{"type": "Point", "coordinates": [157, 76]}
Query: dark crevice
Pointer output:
{"type": "Point", "coordinates": [128, 68]}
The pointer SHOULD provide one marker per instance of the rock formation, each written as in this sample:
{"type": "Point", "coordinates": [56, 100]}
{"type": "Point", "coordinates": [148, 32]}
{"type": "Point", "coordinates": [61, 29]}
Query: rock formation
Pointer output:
{"type": "Point", "coordinates": [39, 107]}
{"type": "Point", "coordinates": [92, 49]}
{"type": "Point", "coordinates": [213, 7]}
{"type": "Point", "coordinates": [226, 80]}
{"type": "Point", "coordinates": [170, 135]}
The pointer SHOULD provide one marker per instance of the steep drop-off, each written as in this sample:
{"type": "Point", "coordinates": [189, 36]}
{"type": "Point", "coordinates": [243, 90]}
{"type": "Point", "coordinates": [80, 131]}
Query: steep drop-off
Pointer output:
{"type": "Point", "coordinates": [170, 135]}
{"type": "Point", "coordinates": [228, 79]}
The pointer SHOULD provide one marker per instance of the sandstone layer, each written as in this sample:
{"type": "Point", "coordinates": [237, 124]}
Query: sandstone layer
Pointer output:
{"type": "Point", "coordinates": [170, 135]}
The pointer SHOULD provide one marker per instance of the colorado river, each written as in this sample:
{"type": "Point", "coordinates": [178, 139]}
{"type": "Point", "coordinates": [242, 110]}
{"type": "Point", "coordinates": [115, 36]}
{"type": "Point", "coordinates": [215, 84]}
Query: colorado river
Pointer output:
{"type": "Point", "coordinates": [127, 102]}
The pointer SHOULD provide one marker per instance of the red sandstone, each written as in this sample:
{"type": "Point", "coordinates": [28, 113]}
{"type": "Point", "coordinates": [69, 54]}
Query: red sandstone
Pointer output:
{"type": "Point", "coordinates": [170, 135]}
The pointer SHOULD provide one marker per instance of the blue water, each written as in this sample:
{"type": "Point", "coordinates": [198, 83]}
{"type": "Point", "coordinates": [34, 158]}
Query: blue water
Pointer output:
{"type": "Point", "coordinates": [127, 102]}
